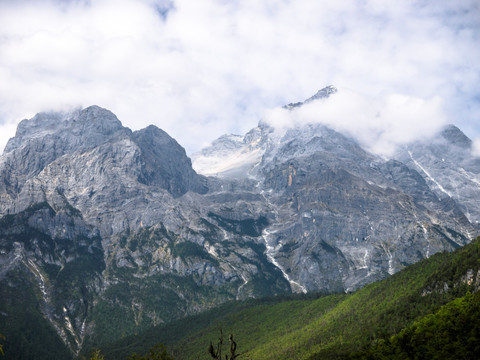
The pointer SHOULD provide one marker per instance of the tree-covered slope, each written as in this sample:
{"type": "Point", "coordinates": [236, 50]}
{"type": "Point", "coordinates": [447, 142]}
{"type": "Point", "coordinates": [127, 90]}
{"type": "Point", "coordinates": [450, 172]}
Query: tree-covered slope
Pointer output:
{"type": "Point", "coordinates": [400, 307]}
{"type": "Point", "coordinates": [453, 332]}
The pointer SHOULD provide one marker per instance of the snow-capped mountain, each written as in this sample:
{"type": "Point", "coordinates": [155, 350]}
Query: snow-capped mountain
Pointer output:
{"type": "Point", "coordinates": [97, 219]}
{"type": "Point", "coordinates": [346, 209]}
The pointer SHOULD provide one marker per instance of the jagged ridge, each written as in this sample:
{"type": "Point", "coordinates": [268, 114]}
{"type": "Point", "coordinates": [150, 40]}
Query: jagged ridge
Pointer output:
{"type": "Point", "coordinates": [305, 209]}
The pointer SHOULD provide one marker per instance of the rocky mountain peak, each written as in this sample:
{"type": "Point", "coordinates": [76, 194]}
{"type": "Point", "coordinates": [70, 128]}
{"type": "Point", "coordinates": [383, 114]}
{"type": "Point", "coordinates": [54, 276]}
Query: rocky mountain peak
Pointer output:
{"type": "Point", "coordinates": [153, 133]}
{"type": "Point", "coordinates": [455, 136]}
{"type": "Point", "coordinates": [165, 163]}
{"type": "Point", "coordinates": [49, 136]}
{"type": "Point", "coordinates": [79, 128]}
{"type": "Point", "coordinates": [91, 147]}
{"type": "Point", "coordinates": [96, 119]}
{"type": "Point", "coordinates": [103, 220]}
{"type": "Point", "coordinates": [40, 125]}
{"type": "Point", "coordinates": [321, 94]}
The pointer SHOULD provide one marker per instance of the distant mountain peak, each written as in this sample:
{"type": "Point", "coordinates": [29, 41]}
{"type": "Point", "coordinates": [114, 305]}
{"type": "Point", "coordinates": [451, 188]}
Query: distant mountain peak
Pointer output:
{"type": "Point", "coordinates": [454, 135]}
{"type": "Point", "coordinates": [105, 232]}
{"type": "Point", "coordinates": [92, 123]}
{"type": "Point", "coordinates": [321, 94]}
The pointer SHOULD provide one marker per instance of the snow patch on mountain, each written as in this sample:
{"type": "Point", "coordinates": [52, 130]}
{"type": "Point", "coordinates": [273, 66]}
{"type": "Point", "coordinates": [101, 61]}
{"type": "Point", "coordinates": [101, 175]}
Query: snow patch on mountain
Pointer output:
{"type": "Point", "coordinates": [220, 164]}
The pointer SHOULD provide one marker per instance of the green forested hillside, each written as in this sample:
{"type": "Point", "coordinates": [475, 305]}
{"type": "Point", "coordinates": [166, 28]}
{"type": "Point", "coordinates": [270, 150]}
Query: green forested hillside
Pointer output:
{"type": "Point", "coordinates": [453, 332]}
{"type": "Point", "coordinates": [380, 321]}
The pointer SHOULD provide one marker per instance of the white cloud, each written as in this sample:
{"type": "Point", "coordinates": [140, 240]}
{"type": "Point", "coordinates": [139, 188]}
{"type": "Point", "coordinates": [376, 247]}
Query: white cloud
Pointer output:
{"type": "Point", "coordinates": [380, 123]}
{"type": "Point", "coordinates": [476, 147]}
{"type": "Point", "coordinates": [213, 66]}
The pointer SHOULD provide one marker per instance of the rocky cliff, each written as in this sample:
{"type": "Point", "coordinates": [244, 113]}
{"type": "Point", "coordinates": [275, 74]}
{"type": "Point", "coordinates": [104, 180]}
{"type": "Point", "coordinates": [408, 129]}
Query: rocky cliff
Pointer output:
{"type": "Point", "coordinates": [113, 230]}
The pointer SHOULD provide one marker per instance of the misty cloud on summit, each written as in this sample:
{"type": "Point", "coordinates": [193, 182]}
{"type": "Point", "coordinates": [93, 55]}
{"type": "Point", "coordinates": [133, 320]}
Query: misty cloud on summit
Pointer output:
{"type": "Point", "coordinates": [212, 67]}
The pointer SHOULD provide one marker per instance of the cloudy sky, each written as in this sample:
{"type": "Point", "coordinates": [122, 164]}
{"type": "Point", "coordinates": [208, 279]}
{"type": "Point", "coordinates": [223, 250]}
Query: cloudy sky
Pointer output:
{"type": "Point", "coordinates": [198, 69]}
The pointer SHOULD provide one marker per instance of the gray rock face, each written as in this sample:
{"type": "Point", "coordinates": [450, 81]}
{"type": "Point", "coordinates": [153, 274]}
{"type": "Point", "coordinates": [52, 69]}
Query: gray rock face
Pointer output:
{"type": "Point", "coordinates": [46, 138]}
{"type": "Point", "coordinates": [342, 217]}
{"type": "Point", "coordinates": [62, 257]}
{"type": "Point", "coordinates": [347, 217]}
{"type": "Point", "coordinates": [144, 237]}
{"type": "Point", "coordinates": [87, 148]}
{"type": "Point", "coordinates": [165, 163]}
{"type": "Point", "coordinates": [81, 129]}
{"type": "Point", "coordinates": [448, 167]}
{"type": "Point", "coordinates": [135, 199]}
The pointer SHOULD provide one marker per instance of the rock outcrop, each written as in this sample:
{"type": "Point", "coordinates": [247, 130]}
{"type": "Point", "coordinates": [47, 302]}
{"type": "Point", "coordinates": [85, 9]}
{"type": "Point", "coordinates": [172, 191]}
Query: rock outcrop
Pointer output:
{"type": "Point", "coordinates": [115, 231]}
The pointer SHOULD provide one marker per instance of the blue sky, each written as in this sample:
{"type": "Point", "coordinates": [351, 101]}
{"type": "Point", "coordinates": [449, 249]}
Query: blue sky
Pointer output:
{"type": "Point", "coordinates": [198, 69]}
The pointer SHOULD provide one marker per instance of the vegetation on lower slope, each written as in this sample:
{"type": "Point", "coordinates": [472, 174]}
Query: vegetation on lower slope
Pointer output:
{"type": "Point", "coordinates": [39, 270]}
{"type": "Point", "coordinates": [26, 333]}
{"type": "Point", "coordinates": [336, 326]}
{"type": "Point", "coordinates": [453, 332]}
{"type": "Point", "coordinates": [172, 332]}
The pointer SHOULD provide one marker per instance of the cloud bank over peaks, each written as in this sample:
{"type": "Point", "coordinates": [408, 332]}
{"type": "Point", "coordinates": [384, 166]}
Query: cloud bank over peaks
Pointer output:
{"type": "Point", "coordinates": [380, 123]}
{"type": "Point", "coordinates": [200, 69]}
